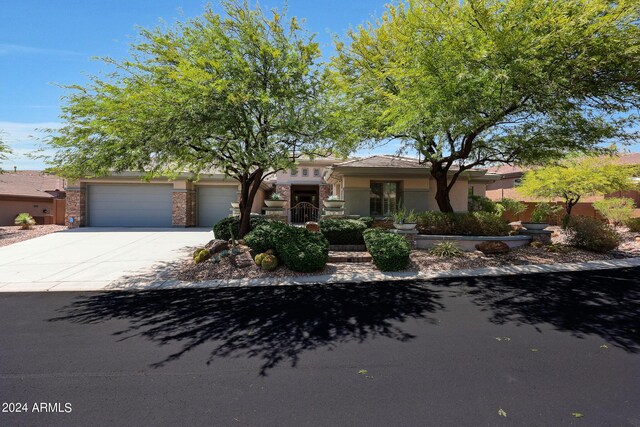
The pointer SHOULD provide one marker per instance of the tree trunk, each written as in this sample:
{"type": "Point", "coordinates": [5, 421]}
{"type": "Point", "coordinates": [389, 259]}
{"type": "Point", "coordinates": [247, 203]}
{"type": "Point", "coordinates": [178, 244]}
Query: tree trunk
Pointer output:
{"type": "Point", "coordinates": [442, 190]}
{"type": "Point", "coordinates": [245, 218]}
{"type": "Point", "coordinates": [568, 205]}
{"type": "Point", "coordinates": [249, 186]}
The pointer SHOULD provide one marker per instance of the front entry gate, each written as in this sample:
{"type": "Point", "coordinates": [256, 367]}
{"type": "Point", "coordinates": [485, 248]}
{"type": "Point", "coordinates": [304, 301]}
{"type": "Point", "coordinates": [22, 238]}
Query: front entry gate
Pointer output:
{"type": "Point", "coordinates": [303, 212]}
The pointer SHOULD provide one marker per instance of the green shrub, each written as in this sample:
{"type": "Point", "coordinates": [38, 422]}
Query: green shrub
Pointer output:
{"type": "Point", "coordinates": [616, 210]}
{"type": "Point", "coordinates": [592, 234]}
{"type": "Point", "coordinates": [390, 252]}
{"type": "Point", "coordinates": [302, 250]}
{"type": "Point", "coordinates": [633, 224]}
{"type": "Point", "coordinates": [24, 220]}
{"type": "Point", "coordinates": [446, 250]}
{"type": "Point", "coordinates": [434, 222]}
{"type": "Point", "coordinates": [465, 224]}
{"type": "Point", "coordinates": [546, 212]}
{"type": "Point", "coordinates": [484, 204]}
{"type": "Point", "coordinates": [512, 206]}
{"type": "Point", "coordinates": [343, 231]}
{"type": "Point", "coordinates": [264, 236]}
{"type": "Point", "coordinates": [226, 226]}
{"type": "Point", "coordinates": [368, 221]}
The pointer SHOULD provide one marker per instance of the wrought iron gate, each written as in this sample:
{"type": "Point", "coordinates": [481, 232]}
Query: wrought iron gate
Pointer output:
{"type": "Point", "coordinates": [303, 212]}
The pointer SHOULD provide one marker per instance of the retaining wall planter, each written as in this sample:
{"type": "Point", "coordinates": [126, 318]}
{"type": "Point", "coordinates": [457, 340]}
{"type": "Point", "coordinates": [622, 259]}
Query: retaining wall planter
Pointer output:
{"type": "Point", "coordinates": [468, 243]}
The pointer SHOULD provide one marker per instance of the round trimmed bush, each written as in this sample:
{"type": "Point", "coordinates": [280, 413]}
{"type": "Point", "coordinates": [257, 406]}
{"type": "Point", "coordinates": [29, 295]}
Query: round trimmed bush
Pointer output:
{"type": "Point", "coordinates": [390, 252]}
{"type": "Point", "coordinates": [221, 229]}
{"type": "Point", "coordinates": [343, 231]}
{"type": "Point", "coordinates": [301, 250]}
{"type": "Point", "coordinates": [263, 238]}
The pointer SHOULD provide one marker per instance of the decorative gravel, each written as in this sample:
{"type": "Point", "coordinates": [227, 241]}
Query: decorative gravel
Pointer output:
{"type": "Point", "coordinates": [188, 271]}
{"type": "Point", "coordinates": [14, 234]}
{"type": "Point", "coordinates": [421, 260]}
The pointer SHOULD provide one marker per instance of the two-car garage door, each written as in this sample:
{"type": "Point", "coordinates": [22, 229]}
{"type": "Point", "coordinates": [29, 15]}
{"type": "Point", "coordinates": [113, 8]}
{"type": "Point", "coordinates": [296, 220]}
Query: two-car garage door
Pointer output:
{"type": "Point", "coordinates": [150, 205]}
{"type": "Point", "coordinates": [145, 205]}
{"type": "Point", "coordinates": [214, 204]}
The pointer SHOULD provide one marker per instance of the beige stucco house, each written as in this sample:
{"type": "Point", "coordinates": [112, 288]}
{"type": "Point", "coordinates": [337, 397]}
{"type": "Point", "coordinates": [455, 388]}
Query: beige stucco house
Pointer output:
{"type": "Point", "coordinates": [371, 186]}
{"type": "Point", "coordinates": [39, 194]}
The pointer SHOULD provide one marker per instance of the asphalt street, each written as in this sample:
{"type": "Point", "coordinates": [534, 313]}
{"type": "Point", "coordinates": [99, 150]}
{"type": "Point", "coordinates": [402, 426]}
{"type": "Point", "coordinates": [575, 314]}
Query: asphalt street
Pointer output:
{"type": "Point", "coordinates": [535, 350]}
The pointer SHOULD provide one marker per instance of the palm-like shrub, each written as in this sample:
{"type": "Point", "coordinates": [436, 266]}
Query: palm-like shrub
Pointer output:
{"type": "Point", "coordinates": [25, 221]}
{"type": "Point", "coordinates": [446, 249]}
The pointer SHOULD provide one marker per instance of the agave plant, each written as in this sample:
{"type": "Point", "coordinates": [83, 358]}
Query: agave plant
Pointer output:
{"type": "Point", "coordinates": [25, 221]}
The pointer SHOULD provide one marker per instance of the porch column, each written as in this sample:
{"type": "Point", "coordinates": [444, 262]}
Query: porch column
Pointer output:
{"type": "Point", "coordinates": [76, 205]}
{"type": "Point", "coordinates": [183, 213]}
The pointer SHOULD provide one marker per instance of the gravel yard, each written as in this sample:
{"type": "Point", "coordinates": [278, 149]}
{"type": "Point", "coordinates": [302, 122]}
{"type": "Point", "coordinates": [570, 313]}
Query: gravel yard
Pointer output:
{"type": "Point", "coordinates": [14, 234]}
{"type": "Point", "coordinates": [421, 260]}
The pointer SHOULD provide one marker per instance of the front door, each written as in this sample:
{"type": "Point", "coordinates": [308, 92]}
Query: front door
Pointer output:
{"type": "Point", "coordinates": [304, 203]}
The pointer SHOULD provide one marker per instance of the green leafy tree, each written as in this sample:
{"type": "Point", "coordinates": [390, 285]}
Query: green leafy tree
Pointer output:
{"type": "Point", "coordinates": [5, 150]}
{"type": "Point", "coordinates": [574, 178]}
{"type": "Point", "coordinates": [241, 93]}
{"type": "Point", "coordinates": [467, 83]}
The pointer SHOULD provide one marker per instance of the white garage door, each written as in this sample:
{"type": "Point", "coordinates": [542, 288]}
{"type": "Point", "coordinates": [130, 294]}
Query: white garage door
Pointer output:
{"type": "Point", "coordinates": [214, 203]}
{"type": "Point", "coordinates": [129, 205]}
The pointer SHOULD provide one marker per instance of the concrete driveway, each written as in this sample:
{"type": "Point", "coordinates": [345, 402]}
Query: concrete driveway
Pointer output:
{"type": "Point", "coordinates": [94, 258]}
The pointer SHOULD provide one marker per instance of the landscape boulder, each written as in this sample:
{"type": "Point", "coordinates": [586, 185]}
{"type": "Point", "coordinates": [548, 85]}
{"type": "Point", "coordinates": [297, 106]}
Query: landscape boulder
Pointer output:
{"type": "Point", "coordinates": [493, 247]}
{"type": "Point", "coordinates": [216, 246]}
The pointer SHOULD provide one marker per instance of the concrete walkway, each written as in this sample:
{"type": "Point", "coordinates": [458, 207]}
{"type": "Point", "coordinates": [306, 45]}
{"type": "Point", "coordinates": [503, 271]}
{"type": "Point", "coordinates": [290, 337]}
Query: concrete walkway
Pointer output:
{"type": "Point", "coordinates": [92, 258]}
{"type": "Point", "coordinates": [127, 259]}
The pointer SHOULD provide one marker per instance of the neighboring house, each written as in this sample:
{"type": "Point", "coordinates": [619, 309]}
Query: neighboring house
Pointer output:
{"type": "Point", "coordinates": [507, 187]}
{"type": "Point", "coordinates": [372, 186]}
{"type": "Point", "coordinates": [39, 194]}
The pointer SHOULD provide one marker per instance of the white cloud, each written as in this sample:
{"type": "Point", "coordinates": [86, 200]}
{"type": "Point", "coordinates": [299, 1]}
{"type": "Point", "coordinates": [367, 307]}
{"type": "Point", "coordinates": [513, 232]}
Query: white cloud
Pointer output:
{"type": "Point", "coordinates": [9, 49]}
{"type": "Point", "coordinates": [24, 138]}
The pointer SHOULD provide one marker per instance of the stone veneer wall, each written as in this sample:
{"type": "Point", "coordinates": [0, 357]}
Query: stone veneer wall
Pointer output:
{"type": "Point", "coordinates": [284, 190]}
{"type": "Point", "coordinates": [184, 208]}
{"type": "Point", "coordinates": [325, 192]}
{"type": "Point", "coordinates": [76, 205]}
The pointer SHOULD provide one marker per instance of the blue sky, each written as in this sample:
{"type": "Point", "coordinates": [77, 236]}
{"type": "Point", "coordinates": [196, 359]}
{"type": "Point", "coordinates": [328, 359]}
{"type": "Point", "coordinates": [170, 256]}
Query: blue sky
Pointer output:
{"type": "Point", "coordinates": [44, 43]}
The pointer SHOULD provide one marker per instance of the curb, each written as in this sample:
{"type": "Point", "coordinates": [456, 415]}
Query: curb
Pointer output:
{"type": "Point", "coordinates": [327, 278]}
{"type": "Point", "coordinates": [393, 276]}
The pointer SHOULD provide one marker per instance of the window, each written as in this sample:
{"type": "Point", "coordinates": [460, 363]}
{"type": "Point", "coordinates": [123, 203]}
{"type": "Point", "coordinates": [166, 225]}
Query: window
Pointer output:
{"type": "Point", "coordinates": [305, 172]}
{"type": "Point", "coordinates": [294, 172]}
{"type": "Point", "coordinates": [383, 198]}
{"type": "Point", "coordinates": [316, 172]}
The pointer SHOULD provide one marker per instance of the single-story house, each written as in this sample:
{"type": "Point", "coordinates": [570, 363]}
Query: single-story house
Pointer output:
{"type": "Point", "coordinates": [507, 187]}
{"type": "Point", "coordinates": [34, 192]}
{"type": "Point", "coordinates": [372, 186]}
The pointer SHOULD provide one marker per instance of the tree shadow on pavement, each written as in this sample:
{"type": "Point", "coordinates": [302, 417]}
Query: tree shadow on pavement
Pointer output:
{"type": "Point", "coordinates": [605, 303]}
{"type": "Point", "coordinates": [275, 324]}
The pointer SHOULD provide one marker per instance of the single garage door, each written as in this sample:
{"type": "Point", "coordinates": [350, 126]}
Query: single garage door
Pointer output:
{"type": "Point", "coordinates": [129, 205]}
{"type": "Point", "coordinates": [214, 203]}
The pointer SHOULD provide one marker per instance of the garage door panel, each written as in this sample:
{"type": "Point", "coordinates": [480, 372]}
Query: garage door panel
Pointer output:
{"type": "Point", "coordinates": [214, 204]}
{"type": "Point", "coordinates": [130, 205]}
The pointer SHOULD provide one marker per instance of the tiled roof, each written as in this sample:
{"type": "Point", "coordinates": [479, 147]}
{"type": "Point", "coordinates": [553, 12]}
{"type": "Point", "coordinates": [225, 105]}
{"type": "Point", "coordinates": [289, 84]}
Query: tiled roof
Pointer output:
{"type": "Point", "coordinates": [505, 169]}
{"type": "Point", "coordinates": [29, 183]}
{"type": "Point", "coordinates": [382, 161]}
{"type": "Point", "coordinates": [622, 159]}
